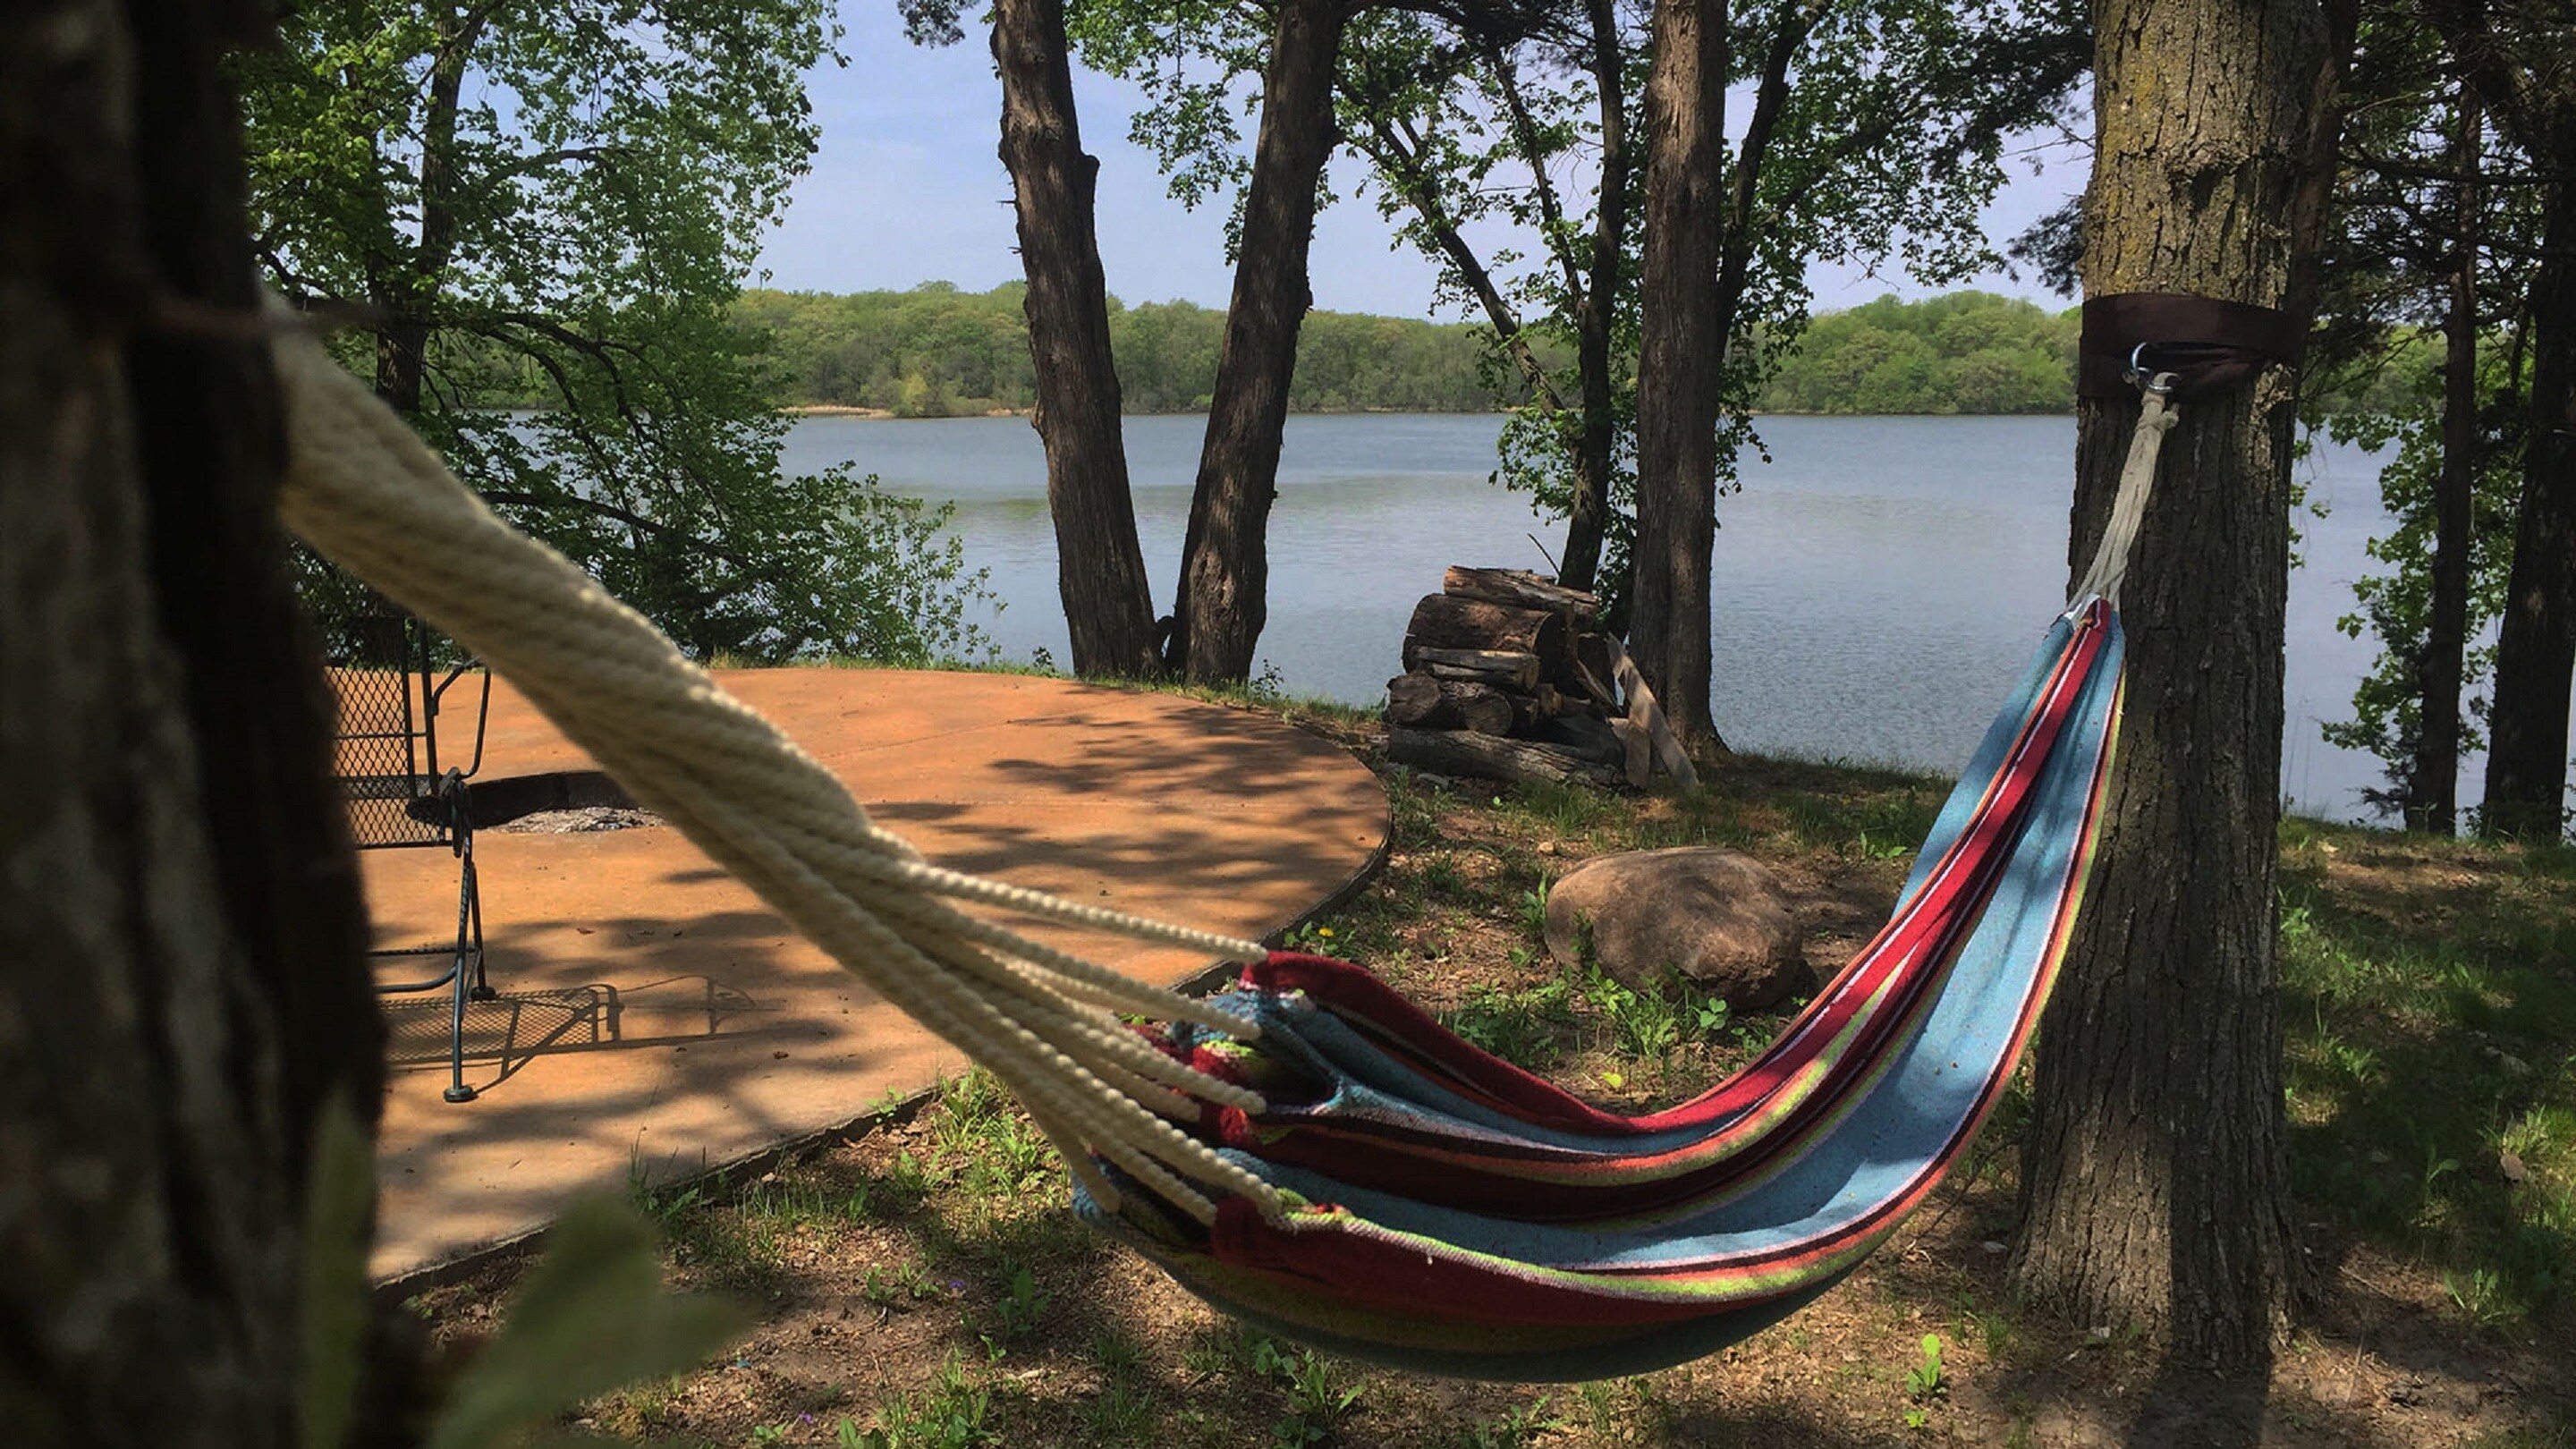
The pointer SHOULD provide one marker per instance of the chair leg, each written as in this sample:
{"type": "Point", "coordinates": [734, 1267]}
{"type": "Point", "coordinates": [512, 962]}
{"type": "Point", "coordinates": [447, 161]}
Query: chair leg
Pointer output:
{"type": "Point", "coordinates": [467, 975]}
{"type": "Point", "coordinates": [474, 913]}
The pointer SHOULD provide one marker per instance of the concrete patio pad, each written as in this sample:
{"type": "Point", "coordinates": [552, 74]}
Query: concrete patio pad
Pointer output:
{"type": "Point", "coordinates": [656, 1019]}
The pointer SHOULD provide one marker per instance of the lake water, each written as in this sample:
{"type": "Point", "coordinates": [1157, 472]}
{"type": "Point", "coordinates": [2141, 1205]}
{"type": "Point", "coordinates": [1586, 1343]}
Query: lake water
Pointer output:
{"type": "Point", "coordinates": [1878, 586]}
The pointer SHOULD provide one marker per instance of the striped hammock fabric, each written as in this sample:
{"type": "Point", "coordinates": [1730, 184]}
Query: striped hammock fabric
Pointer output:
{"type": "Point", "coordinates": [1448, 1211]}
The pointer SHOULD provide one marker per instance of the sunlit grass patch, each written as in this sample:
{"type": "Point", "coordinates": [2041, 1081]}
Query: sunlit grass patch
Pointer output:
{"type": "Point", "coordinates": [2429, 1000]}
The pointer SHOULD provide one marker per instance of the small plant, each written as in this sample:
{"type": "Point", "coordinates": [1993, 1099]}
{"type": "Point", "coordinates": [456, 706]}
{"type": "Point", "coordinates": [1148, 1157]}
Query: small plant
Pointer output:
{"type": "Point", "coordinates": [1994, 1331]}
{"type": "Point", "coordinates": [1020, 1305]}
{"type": "Point", "coordinates": [1513, 1430]}
{"type": "Point", "coordinates": [906, 1181]}
{"type": "Point", "coordinates": [1521, 1027]}
{"type": "Point", "coordinates": [1441, 874]}
{"type": "Point", "coordinates": [950, 1416]}
{"type": "Point", "coordinates": [1924, 1381]}
{"type": "Point", "coordinates": [1315, 1401]}
{"type": "Point", "coordinates": [1711, 1015]}
{"type": "Point", "coordinates": [903, 1284]}
{"type": "Point", "coordinates": [1534, 911]}
{"type": "Point", "coordinates": [2480, 1296]}
{"type": "Point", "coordinates": [1645, 1025]}
{"type": "Point", "coordinates": [1310, 937]}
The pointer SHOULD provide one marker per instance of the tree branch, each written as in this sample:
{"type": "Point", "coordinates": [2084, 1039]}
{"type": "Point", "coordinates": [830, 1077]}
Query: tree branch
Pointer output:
{"type": "Point", "coordinates": [1550, 213]}
{"type": "Point", "coordinates": [1405, 166]}
{"type": "Point", "coordinates": [625, 516]}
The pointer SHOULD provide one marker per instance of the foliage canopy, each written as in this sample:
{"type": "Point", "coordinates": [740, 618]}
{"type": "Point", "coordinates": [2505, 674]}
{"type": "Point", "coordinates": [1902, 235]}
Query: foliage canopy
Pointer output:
{"type": "Point", "coordinates": [556, 201]}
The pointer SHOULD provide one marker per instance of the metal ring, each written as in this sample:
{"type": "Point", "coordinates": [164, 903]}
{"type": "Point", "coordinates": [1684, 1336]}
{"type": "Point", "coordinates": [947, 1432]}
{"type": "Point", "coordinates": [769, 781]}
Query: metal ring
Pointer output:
{"type": "Point", "coordinates": [2156, 382]}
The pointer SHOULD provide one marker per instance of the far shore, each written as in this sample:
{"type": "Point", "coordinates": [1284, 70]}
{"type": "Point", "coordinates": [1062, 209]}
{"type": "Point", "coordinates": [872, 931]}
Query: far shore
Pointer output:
{"type": "Point", "coordinates": [847, 410]}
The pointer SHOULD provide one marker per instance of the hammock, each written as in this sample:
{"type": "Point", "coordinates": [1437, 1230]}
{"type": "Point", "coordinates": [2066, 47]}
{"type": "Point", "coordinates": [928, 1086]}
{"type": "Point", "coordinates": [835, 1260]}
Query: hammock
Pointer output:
{"type": "Point", "coordinates": [1450, 1212]}
{"type": "Point", "coordinates": [1310, 1152]}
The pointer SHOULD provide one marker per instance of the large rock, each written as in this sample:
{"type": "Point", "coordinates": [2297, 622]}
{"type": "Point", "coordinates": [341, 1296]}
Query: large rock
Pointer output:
{"type": "Point", "coordinates": [1718, 918]}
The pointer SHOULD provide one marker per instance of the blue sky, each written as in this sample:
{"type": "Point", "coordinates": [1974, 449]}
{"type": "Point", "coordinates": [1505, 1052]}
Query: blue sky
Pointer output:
{"type": "Point", "coordinates": [906, 188]}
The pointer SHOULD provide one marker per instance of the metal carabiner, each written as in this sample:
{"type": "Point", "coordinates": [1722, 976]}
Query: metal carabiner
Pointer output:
{"type": "Point", "coordinates": [2159, 383]}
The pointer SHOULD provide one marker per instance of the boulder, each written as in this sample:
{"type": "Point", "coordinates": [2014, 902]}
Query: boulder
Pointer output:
{"type": "Point", "coordinates": [1718, 918]}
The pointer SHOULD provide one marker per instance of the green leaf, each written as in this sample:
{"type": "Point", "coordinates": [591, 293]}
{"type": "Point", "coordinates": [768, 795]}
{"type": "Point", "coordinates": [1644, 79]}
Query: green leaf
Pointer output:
{"type": "Point", "coordinates": [593, 1316]}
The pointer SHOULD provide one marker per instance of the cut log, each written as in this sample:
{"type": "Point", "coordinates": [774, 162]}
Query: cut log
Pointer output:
{"type": "Point", "coordinates": [1502, 668]}
{"type": "Point", "coordinates": [1596, 667]}
{"type": "Point", "coordinates": [1591, 738]}
{"type": "Point", "coordinates": [1523, 590]}
{"type": "Point", "coordinates": [1441, 622]}
{"type": "Point", "coordinates": [1460, 752]}
{"type": "Point", "coordinates": [1446, 704]}
{"type": "Point", "coordinates": [1414, 699]}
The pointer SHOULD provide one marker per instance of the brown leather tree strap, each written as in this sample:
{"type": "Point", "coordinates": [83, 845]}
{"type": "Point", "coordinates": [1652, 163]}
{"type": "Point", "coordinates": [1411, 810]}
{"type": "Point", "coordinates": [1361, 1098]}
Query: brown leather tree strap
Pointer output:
{"type": "Point", "coordinates": [2205, 343]}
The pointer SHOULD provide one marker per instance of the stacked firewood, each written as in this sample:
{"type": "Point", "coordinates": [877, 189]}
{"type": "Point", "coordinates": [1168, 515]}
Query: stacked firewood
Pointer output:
{"type": "Point", "coordinates": [1506, 677]}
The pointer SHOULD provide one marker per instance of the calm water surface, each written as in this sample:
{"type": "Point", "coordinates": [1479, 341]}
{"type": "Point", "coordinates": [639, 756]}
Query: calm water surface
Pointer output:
{"type": "Point", "coordinates": [1878, 586]}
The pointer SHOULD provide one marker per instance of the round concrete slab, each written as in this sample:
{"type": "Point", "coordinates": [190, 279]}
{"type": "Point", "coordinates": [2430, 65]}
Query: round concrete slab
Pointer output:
{"type": "Point", "coordinates": [655, 1019]}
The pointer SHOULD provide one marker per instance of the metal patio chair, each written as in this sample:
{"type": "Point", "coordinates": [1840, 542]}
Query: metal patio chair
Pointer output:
{"type": "Point", "coordinates": [402, 795]}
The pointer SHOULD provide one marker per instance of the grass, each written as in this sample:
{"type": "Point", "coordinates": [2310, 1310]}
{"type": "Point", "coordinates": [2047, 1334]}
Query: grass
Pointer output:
{"type": "Point", "coordinates": [929, 1284]}
{"type": "Point", "coordinates": [2430, 993]}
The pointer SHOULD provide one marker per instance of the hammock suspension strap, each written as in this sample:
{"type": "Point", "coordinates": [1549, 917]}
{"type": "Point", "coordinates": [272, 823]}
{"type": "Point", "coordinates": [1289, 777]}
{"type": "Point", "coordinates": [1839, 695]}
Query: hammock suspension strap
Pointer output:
{"type": "Point", "coordinates": [2156, 417]}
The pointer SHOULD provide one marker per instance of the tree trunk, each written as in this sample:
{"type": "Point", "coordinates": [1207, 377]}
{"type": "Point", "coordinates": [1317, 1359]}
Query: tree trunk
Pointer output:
{"type": "Point", "coordinates": [1679, 356]}
{"type": "Point", "coordinates": [1100, 570]}
{"type": "Point", "coordinates": [2433, 776]}
{"type": "Point", "coordinates": [408, 291]}
{"type": "Point", "coordinates": [1595, 447]}
{"type": "Point", "coordinates": [1225, 570]}
{"type": "Point", "coordinates": [2536, 647]}
{"type": "Point", "coordinates": [178, 905]}
{"type": "Point", "coordinates": [2156, 1187]}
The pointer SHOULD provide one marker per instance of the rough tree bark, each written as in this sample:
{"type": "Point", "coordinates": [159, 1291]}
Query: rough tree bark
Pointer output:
{"type": "Point", "coordinates": [2526, 785]}
{"type": "Point", "coordinates": [1681, 348]}
{"type": "Point", "coordinates": [2156, 1189]}
{"type": "Point", "coordinates": [184, 986]}
{"type": "Point", "coordinates": [2433, 776]}
{"type": "Point", "coordinates": [1222, 603]}
{"type": "Point", "coordinates": [1100, 570]}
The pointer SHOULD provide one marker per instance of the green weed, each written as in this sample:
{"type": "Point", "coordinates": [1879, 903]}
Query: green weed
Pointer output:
{"type": "Point", "coordinates": [1514, 1429]}
{"type": "Point", "coordinates": [1924, 1380]}
{"type": "Point", "coordinates": [1316, 1397]}
{"type": "Point", "coordinates": [1020, 1305]}
{"type": "Point", "coordinates": [899, 1285]}
{"type": "Point", "coordinates": [1526, 1027]}
{"type": "Point", "coordinates": [950, 1415]}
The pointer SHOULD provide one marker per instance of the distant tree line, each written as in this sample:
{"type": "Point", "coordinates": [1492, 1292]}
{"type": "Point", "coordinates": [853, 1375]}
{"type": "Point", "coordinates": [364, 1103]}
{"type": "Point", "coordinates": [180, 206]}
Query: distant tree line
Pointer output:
{"type": "Point", "coordinates": [1968, 352]}
{"type": "Point", "coordinates": [937, 351]}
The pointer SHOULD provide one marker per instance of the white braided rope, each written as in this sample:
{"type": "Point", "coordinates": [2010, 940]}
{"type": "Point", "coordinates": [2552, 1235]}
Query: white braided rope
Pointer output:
{"type": "Point", "coordinates": [365, 491]}
{"type": "Point", "coordinates": [2156, 418]}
